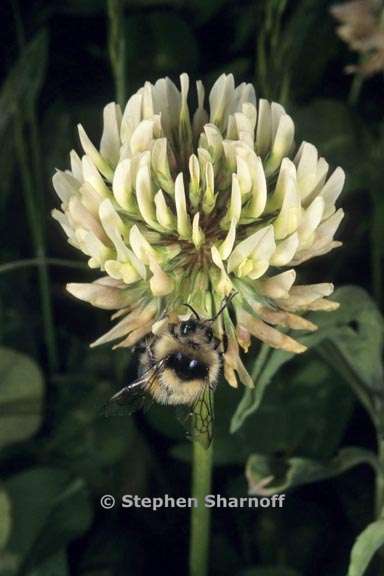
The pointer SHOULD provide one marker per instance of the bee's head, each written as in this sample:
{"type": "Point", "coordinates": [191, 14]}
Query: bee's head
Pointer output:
{"type": "Point", "coordinates": [195, 327]}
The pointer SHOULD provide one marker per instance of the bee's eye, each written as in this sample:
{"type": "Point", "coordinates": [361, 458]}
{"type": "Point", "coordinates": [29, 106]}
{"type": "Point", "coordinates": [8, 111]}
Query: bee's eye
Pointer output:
{"type": "Point", "coordinates": [187, 327]}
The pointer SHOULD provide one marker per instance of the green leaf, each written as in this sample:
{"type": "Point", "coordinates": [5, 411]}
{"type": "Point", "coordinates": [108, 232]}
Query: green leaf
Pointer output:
{"type": "Point", "coordinates": [23, 83]}
{"type": "Point", "coordinates": [21, 396]}
{"type": "Point", "coordinates": [299, 471]}
{"type": "Point", "coordinates": [353, 342]}
{"type": "Point", "coordinates": [49, 509]}
{"type": "Point", "coordinates": [305, 394]}
{"type": "Point", "coordinates": [5, 518]}
{"type": "Point", "coordinates": [57, 565]}
{"type": "Point", "coordinates": [366, 545]}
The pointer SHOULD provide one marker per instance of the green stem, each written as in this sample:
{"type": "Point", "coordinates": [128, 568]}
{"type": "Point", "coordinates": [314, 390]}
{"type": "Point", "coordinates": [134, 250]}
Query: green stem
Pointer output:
{"type": "Point", "coordinates": [376, 249]}
{"type": "Point", "coordinates": [354, 92]}
{"type": "Point", "coordinates": [379, 492]}
{"type": "Point", "coordinates": [28, 262]}
{"type": "Point", "coordinates": [116, 45]}
{"type": "Point", "coordinates": [38, 243]}
{"type": "Point", "coordinates": [33, 189]}
{"type": "Point", "coordinates": [379, 500]}
{"type": "Point", "coordinates": [200, 516]}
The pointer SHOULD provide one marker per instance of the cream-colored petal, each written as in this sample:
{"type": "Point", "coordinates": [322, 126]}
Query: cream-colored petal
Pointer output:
{"type": "Point", "coordinates": [164, 214]}
{"type": "Point", "coordinates": [142, 137]}
{"type": "Point", "coordinates": [285, 250]}
{"type": "Point", "coordinates": [198, 235]}
{"type": "Point", "coordinates": [194, 182]}
{"type": "Point", "coordinates": [258, 248]}
{"type": "Point", "coordinates": [264, 128]}
{"type": "Point", "coordinates": [331, 191]}
{"type": "Point", "coordinates": [160, 166]}
{"type": "Point", "coordinates": [226, 246]}
{"type": "Point", "coordinates": [105, 297]}
{"type": "Point", "coordinates": [161, 283]}
{"type": "Point", "coordinates": [184, 228]}
{"type": "Point", "coordinates": [224, 286]}
{"type": "Point", "coordinates": [123, 184]}
{"type": "Point", "coordinates": [310, 220]}
{"type": "Point", "coordinates": [144, 196]}
{"type": "Point", "coordinates": [93, 153]}
{"type": "Point", "coordinates": [65, 186]}
{"type": "Point", "coordinates": [289, 216]}
{"type": "Point", "coordinates": [234, 210]}
{"type": "Point", "coordinates": [131, 117]}
{"type": "Point", "coordinates": [282, 143]}
{"type": "Point", "coordinates": [92, 175]}
{"type": "Point", "coordinates": [279, 286]}
{"type": "Point", "coordinates": [140, 245]}
{"type": "Point", "coordinates": [267, 334]}
{"type": "Point", "coordinates": [257, 202]}
{"type": "Point", "coordinates": [110, 139]}
{"type": "Point", "coordinates": [76, 167]}
{"type": "Point", "coordinates": [209, 196]}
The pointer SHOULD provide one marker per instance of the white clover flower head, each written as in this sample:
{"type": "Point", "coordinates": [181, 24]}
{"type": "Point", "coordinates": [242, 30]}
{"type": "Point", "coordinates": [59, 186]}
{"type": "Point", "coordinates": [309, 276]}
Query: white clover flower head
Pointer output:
{"type": "Point", "coordinates": [177, 208]}
{"type": "Point", "coordinates": [361, 27]}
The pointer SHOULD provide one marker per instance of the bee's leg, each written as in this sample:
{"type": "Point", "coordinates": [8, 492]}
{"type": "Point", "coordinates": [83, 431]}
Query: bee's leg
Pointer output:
{"type": "Point", "coordinates": [140, 347]}
{"type": "Point", "coordinates": [217, 342]}
{"type": "Point", "coordinates": [148, 351]}
{"type": "Point", "coordinates": [172, 329]}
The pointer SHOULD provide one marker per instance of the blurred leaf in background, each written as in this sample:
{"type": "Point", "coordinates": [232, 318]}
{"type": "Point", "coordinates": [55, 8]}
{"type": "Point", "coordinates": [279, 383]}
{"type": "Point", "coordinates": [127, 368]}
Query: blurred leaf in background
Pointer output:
{"type": "Point", "coordinates": [58, 451]}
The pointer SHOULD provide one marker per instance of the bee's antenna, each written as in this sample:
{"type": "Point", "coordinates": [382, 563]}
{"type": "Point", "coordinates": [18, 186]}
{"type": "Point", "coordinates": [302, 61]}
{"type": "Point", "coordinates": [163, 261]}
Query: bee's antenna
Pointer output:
{"type": "Point", "coordinates": [193, 310]}
{"type": "Point", "coordinates": [227, 300]}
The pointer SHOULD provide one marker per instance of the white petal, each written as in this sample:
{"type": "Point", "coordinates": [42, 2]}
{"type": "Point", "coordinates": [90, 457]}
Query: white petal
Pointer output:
{"type": "Point", "coordinates": [310, 219]}
{"type": "Point", "coordinates": [282, 143]}
{"type": "Point", "coordinates": [160, 166]}
{"type": "Point", "coordinates": [142, 137]}
{"type": "Point", "coordinates": [122, 185]}
{"type": "Point", "coordinates": [76, 166]}
{"type": "Point", "coordinates": [331, 190]}
{"type": "Point", "coordinates": [278, 286]}
{"type": "Point", "coordinates": [65, 186]}
{"type": "Point", "coordinates": [220, 98]}
{"type": "Point", "coordinates": [198, 235]}
{"type": "Point", "coordinates": [92, 175]}
{"type": "Point", "coordinates": [144, 196]}
{"type": "Point", "coordinates": [114, 228]}
{"type": "Point", "coordinates": [164, 214]}
{"type": "Point", "coordinates": [183, 221]}
{"type": "Point", "coordinates": [140, 246]}
{"type": "Point", "coordinates": [226, 246]}
{"type": "Point", "coordinates": [110, 140]}
{"type": "Point", "coordinates": [194, 182]}
{"type": "Point", "coordinates": [306, 161]}
{"type": "Point", "coordinates": [288, 219]}
{"type": "Point", "coordinates": [257, 202]}
{"type": "Point", "coordinates": [285, 250]}
{"type": "Point", "coordinates": [264, 128]}
{"type": "Point", "coordinates": [224, 286]}
{"type": "Point", "coordinates": [258, 247]}
{"type": "Point", "coordinates": [131, 117]}
{"type": "Point", "coordinates": [94, 154]}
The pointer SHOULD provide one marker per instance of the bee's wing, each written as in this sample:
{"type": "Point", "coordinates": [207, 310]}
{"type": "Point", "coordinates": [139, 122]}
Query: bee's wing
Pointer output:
{"type": "Point", "coordinates": [135, 396]}
{"type": "Point", "coordinates": [198, 419]}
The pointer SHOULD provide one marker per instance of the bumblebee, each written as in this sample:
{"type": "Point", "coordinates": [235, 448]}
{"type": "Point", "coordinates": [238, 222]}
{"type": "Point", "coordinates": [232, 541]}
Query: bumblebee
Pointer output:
{"type": "Point", "coordinates": [180, 366]}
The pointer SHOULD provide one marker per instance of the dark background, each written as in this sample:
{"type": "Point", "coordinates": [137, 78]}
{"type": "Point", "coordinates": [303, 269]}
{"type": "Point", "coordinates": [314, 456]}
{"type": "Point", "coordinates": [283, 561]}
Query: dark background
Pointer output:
{"type": "Point", "coordinates": [58, 457]}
